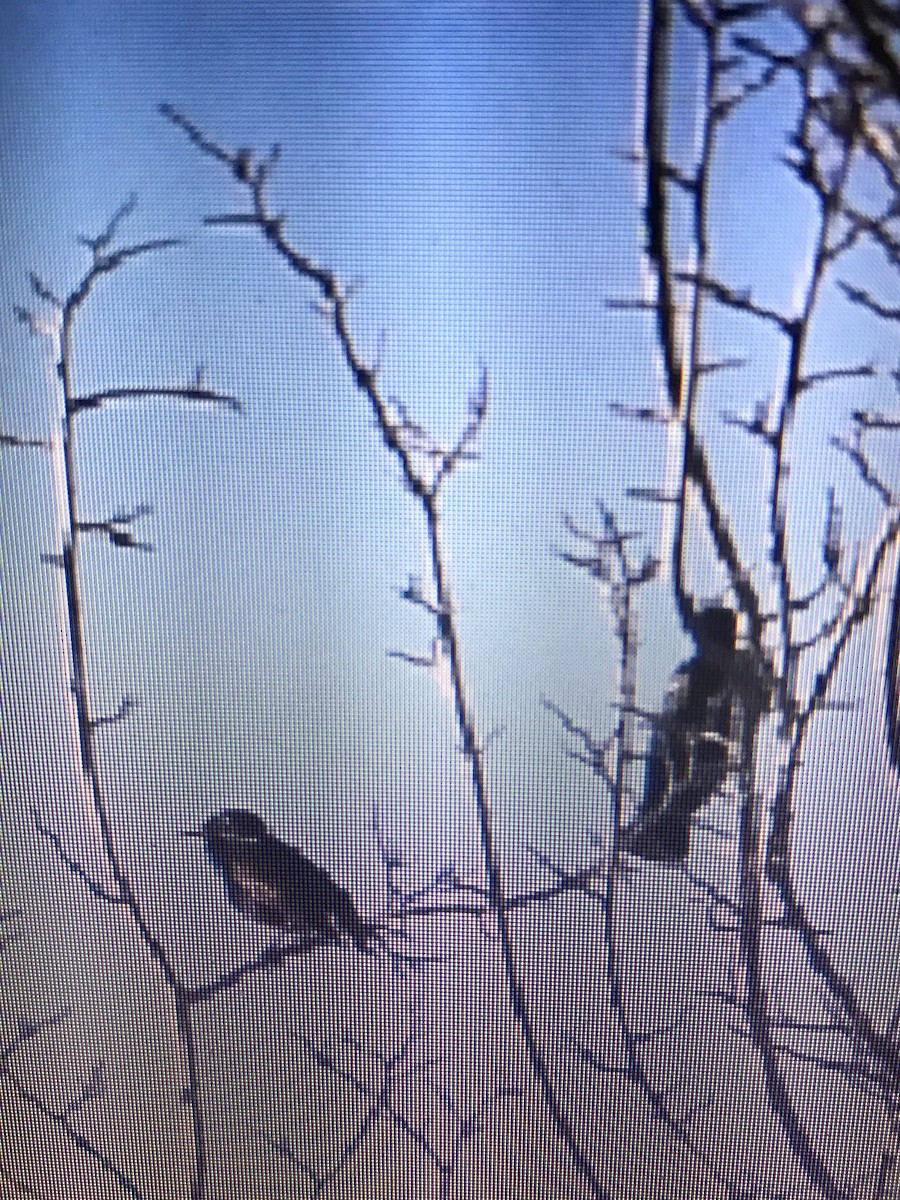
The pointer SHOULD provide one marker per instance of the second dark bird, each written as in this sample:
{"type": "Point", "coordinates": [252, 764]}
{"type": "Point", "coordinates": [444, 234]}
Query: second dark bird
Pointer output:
{"type": "Point", "coordinates": [690, 744]}
{"type": "Point", "coordinates": [275, 884]}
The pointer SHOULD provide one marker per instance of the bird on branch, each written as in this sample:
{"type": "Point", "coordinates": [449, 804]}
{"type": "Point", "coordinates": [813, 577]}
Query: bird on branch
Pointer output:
{"type": "Point", "coordinates": [275, 884]}
{"type": "Point", "coordinates": [690, 745]}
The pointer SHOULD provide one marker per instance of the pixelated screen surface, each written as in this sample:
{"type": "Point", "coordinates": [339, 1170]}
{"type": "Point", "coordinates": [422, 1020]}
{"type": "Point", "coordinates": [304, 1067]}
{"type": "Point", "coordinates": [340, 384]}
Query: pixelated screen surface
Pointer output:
{"type": "Point", "coordinates": [449, 599]}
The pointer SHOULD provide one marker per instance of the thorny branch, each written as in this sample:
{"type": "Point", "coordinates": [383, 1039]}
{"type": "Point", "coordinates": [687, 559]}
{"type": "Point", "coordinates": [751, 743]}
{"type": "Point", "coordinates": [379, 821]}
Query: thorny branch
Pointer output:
{"type": "Point", "coordinates": [425, 466]}
{"type": "Point", "coordinates": [105, 261]}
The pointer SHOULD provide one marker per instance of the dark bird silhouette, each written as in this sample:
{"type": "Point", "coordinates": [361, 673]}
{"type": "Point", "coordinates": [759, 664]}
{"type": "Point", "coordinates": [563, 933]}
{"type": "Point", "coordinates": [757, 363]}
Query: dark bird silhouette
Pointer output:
{"type": "Point", "coordinates": [275, 884]}
{"type": "Point", "coordinates": [659, 835]}
{"type": "Point", "coordinates": [690, 744]}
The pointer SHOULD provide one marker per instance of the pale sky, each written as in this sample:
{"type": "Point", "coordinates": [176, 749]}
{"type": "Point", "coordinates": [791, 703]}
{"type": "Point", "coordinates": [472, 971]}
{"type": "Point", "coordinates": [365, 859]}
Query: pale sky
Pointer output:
{"type": "Point", "coordinates": [468, 167]}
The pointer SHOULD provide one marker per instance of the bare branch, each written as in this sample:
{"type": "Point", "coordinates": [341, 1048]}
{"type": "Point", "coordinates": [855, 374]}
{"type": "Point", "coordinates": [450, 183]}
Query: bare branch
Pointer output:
{"type": "Point", "coordinates": [14, 439]}
{"type": "Point", "coordinates": [865, 299]}
{"type": "Point", "coordinates": [102, 240]}
{"type": "Point", "coordinates": [96, 889]}
{"type": "Point", "coordinates": [118, 529]}
{"type": "Point", "coordinates": [195, 394]}
{"type": "Point", "coordinates": [892, 674]}
{"type": "Point", "coordinates": [424, 484]}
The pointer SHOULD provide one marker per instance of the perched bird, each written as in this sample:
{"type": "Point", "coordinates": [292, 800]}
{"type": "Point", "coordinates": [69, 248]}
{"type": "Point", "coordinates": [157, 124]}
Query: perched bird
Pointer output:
{"type": "Point", "coordinates": [662, 835]}
{"type": "Point", "coordinates": [690, 744]}
{"type": "Point", "coordinates": [274, 883]}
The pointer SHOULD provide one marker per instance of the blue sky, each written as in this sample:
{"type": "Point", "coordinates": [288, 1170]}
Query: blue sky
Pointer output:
{"type": "Point", "coordinates": [465, 164]}
{"type": "Point", "coordinates": [462, 165]}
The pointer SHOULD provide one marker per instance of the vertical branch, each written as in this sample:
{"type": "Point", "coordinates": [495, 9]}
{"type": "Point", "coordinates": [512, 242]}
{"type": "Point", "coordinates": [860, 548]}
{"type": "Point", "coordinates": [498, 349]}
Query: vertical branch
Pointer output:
{"type": "Point", "coordinates": [656, 208]}
{"type": "Point", "coordinates": [106, 261]}
{"type": "Point", "coordinates": [832, 130]}
{"type": "Point", "coordinates": [682, 378]}
{"type": "Point", "coordinates": [880, 1046]}
{"type": "Point", "coordinates": [892, 675]}
{"type": "Point", "coordinates": [497, 899]}
{"type": "Point", "coordinates": [684, 375]}
{"type": "Point", "coordinates": [71, 535]}
{"type": "Point", "coordinates": [758, 1016]}
{"type": "Point", "coordinates": [690, 382]}
{"type": "Point", "coordinates": [829, 202]}
{"type": "Point", "coordinates": [426, 466]}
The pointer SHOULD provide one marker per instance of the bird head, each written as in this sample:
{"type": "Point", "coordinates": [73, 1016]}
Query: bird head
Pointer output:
{"type": "Point", "coordinates": [716, 629]}
{"type": "Point", "coordinates": [232, 827]}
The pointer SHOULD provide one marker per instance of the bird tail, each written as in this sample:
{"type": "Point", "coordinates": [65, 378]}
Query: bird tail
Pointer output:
{"type": "Point", "coordinates": [361, 932]}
